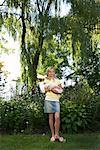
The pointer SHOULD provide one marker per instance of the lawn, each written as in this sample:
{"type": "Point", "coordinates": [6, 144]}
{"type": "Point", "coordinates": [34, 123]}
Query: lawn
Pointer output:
{"type": "Point", "coordinates": [41, 142]}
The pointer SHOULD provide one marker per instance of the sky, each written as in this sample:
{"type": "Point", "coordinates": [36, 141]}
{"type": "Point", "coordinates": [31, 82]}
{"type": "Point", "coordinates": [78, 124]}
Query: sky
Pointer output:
{"type": "Point", "coordinates": [11, 63]}
{"type": "Point", "coordinates": [11, 60]}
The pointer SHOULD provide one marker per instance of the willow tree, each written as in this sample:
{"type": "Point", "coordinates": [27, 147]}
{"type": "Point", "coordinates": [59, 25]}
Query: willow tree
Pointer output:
{"type": "Point", "coordinates": [25, 16]}
{"type": "Point", "coordinates": [83, 26]}
{"type": "Point", "coordinates": [41, 26]}
{"type": "Point", "coordinates": [32, 20]}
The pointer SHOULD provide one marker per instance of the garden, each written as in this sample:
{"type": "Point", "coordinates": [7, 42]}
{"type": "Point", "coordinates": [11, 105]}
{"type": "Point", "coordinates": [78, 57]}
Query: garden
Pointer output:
{"type": "Point", "coordinates": [35, 35]}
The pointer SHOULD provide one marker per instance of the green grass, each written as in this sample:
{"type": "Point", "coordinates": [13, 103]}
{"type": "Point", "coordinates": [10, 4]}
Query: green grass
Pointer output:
{"type": "Point", "coordinates": [38, 142]}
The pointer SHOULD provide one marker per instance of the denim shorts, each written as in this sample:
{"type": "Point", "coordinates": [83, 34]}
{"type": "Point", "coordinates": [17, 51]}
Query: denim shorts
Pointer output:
{"type": "Point", "coordinates": [51, 106]}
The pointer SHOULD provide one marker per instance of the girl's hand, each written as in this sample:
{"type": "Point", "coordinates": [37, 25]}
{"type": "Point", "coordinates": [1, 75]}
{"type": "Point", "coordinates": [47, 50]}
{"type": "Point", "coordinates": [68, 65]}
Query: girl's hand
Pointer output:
{"type": "Point", "coordinates": [47, 89]}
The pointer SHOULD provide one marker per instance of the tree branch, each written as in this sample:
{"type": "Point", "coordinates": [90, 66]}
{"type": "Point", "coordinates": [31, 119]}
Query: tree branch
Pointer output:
{"type": "Point", "coordinates": [3, 3]}
{"type": "Point", "coordinates": [5, 12]}
{"type": "Point", "coordinates": [69, 75]}
{"type": "Point", "coordinates": [48, 6]}
{"type": "Point", "coordinates": [38, 6]}
{"type": "Point", "coordinates": [43, 6]}
{"type": "Point", "coordinates": [23, 25]}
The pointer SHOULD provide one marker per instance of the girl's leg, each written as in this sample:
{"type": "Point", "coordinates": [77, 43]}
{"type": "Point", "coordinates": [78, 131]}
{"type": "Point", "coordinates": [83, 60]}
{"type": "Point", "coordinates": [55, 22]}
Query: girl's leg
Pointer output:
{"type": "Point", "coordinates": [57, 124]}
{"type": "Point", "coordinates": [51, 123]}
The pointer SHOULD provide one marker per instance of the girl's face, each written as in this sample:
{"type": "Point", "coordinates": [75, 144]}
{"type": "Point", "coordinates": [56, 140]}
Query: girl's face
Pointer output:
{"type": "Point", "coordinates": [51, 73]}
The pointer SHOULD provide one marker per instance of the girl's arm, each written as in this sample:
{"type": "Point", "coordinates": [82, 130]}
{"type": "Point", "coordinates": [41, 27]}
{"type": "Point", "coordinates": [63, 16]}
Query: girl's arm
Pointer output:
{"type": "Point", "coordinates": [44, 88]}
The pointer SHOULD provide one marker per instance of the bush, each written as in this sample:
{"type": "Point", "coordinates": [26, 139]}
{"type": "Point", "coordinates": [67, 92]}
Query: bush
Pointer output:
{"type": "Point", "coordinates": [22, 114]}
{"type": "Point", "coordinates": [79, 109]}
{"type": "Point", "coordinates": [73, 116]}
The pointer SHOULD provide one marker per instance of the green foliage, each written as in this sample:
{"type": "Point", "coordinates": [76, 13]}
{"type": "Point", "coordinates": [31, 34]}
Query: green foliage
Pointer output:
{"type": "Point", "coordinates": [79, 109]}
{"type": "Point", "coordinates": [1, 20]}
{"type": "Point", "coordinates": [73, 116]}
{"type": "Point", "coordinates": [91, 72]}
{"type": "Point", "coordinates": [22, 114]}
{"type": "Point", "coordinates": [54, 38]}
{"type": "Point", "coordinates": [3, 79]}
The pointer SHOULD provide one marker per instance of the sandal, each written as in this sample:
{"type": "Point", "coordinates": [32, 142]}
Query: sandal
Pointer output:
{"type": "Point", "coordinates": [52, 139]}
{"type": "Point", "coordinates": [60, 139]}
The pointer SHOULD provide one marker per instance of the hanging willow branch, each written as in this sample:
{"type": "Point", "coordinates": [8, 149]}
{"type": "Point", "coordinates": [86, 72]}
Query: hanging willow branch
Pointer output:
{"type": "Point", "coordinates": [3, 3]}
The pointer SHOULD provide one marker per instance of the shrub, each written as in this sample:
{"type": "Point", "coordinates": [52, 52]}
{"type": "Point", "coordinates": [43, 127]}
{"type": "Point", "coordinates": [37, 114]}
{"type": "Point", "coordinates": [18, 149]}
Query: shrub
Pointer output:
{"type": "Point", "coordinates": [73, 116]}
{"type": "Point", "coordinates": [22, 114]}
{"type": "Point", "coordinates": [79, 109]}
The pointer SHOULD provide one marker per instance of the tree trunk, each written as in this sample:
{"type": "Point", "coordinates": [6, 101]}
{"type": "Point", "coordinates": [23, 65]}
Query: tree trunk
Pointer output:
{"type": "Point", "coordinates": [23, 47]}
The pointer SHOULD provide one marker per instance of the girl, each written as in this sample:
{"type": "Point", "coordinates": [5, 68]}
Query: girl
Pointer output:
{"type": "Point", "coordinates": [53, 89]}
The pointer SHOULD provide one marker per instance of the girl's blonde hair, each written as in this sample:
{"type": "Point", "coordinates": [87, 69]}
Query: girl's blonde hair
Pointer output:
{"type": "Point", "coordinates": [50, 68]}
